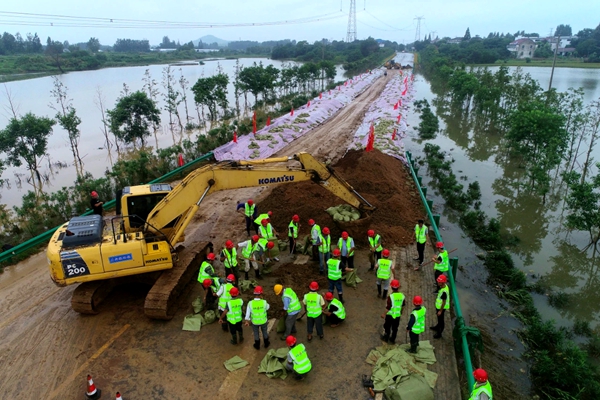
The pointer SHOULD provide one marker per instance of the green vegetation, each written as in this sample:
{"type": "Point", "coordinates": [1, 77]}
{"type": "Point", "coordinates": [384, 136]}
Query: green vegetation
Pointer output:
{"type": "Point", "coordinates": [429, 125]}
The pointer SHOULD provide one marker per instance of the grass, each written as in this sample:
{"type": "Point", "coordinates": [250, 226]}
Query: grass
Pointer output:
{"type": "Point", "coordinates": [560, 63]}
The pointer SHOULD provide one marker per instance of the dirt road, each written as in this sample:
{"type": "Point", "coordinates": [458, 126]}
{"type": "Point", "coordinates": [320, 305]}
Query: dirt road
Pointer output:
{"type": "Point", "coordinates": [47, 349]}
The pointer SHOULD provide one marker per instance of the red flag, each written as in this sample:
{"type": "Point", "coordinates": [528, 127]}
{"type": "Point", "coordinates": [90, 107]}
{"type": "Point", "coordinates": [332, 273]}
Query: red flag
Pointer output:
{"type": "Point", "coordinates": [180, 160]}
{"type": "Point", "coordinates": [268, 120]}
{"type": "Point", "coordinates": [400, 103]}
{"type": "Point", "coordinates": [394, 134]}
{"type": "Point", "coordinates": [398, 118]}
{"type": "Point", "coordinates": [339, 88]}
{"type": "Point", "coordinates": [404, 92]}
{"type": "Point", "coordinates": [406, 79]}
{"type": "Point", "coordinates": [234, 136]}
{"type": "Point", "coordinates": [396, 106]}
{"type": "Point", "coordinates": [329, 91]}
{"type": "Point", "coordinates": [308, 104]}
{"type": "Point", "coordinates": [321, 95]}
{"type": "Point", "coordinates": [371, 139]}
{"type": "Point", "coordinates": [346, 83]}
{"type": "Point", "coordinates": [254, 126]}
{"type": "Point", "coordinates": [254, 116]}
{"type": "Point", "coordinates": [292, 113]}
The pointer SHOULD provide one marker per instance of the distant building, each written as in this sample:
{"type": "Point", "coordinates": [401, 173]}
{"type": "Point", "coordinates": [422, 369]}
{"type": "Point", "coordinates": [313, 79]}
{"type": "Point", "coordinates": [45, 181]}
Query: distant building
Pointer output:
{"type": "Point", "coordinates": [206, 50]}
{"type": "Point", "coordinates": [456, 40]}
{"type": "Point", "coordinates": [522, 48]}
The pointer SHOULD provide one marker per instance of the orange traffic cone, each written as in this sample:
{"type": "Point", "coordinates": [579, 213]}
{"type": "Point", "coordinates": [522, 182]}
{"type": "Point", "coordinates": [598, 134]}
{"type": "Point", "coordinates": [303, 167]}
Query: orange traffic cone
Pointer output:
{"type": "Point", "coordinates": [119, 396]}
{"type": "Point", "coordinates": [92, 391]}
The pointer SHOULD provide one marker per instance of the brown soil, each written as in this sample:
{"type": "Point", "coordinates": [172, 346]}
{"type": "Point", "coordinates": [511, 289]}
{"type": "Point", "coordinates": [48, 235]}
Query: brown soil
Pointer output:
{"type": "Point", "coordinates": [381, 179]}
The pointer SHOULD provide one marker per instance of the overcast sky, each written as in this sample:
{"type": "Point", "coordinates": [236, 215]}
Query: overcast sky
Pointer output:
{"type": "Point", "coordinates": [392, 20]}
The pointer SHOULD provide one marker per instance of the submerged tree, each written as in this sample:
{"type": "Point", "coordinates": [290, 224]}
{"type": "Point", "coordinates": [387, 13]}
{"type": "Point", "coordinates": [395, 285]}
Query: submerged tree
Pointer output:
{"type": "Point", "coordinates": [211, 92]}
{"type": "Point", "coordinates": [132, 118]}
{"type": "Point", "coordinates": [583, 205]}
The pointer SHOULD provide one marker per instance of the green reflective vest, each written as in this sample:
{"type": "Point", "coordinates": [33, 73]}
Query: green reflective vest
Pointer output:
{"type": "Point", "coordinates": [419, 326]}
{"type": "Point", "coordinates": [225, 296]}
{"type": "Point", "coordinates": [249, 210]}
{"type": "Point", "coordinates": [334, 272]}
{"type": "Point", "coordinates": [313, 305]}
{"type": "Point", "coordinates": [341, 311]}
{"type": "Point", "coordinates": [293, 229]}
{"type": "Point", "coordinates": [438, 300]}
{"type": "Point", "coordinates": [266, 231]}
{"type": "Point", "coordinates": [421, 233]}
{"type": "Point", "coordinates": [325, 246]}
{"type": "Point", "coordinates": [248, 250]}
{"type": "Point", "coordinates": [348, 246]}
{"type": "Point", "coordinates": [487, 389]}
{"type": "Point", "coordinates": [397, 300]}
{"type": "Point", "coordinates": [258, 220]}
{"type": "Point", "coordinates": [294, 302]}
{"type": "Point", "coordinates": [315, 228]}
{"type": "Point", "coordinates": [261, 244]}
{"type": "Point", "coordinates": [206, 272]}
{"type": "Point", "coordinates": [215, 285]}
{"type": "Point", "coordinates": [443, 266]}
{"type": "Point", "coordinates": [298, 354]}
{"type": "Point", "coordinates": [384, 271]}
{"type": "Point", "coordinates": [258, 311]}
{"type": "Point", "coordinates": [230, 258]}
{"type": "Point", "coordinates": [375, 240]}
{"type": "Point", "coordinates": [234, 310]}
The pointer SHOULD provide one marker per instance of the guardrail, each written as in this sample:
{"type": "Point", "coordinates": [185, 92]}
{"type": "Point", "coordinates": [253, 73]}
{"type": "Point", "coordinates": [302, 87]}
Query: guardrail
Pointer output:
{"type": "Point", "coordinates": [435, 220]}
{"type": "Point", "coordinates": [45, 237]}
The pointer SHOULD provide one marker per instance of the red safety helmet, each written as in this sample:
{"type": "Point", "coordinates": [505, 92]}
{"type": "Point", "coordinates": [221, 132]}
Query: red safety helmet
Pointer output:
{"type": "Point", "coordinates": [439, 245]}
{"type": "Point", "coordinates": [234, 292]}
{"type": "Point", "coordinates": [385, 253]}
{"type": "Point", "coordinates": [210, 256]}
{"type": "Point", "coordinates": [371, 233]}
{"type": "Point", "coordinates": [94, 193]}
{"type": "Point", "coordinates": [344, 235]}
{"type": "Point", "coordinates": [270, 245]}
{"type": "Point", "coordinates": [313, 286]}
{"type": "Point", "coordinates": [230, 278]}
{"type": "Point", "coordinates": [395, 284]}
{"type": "Point", "coordinates": [311, 221]}
{"type": "Point", "coordinates": [417, 300]}
{"type": "Point", "coordinates": [296, 218]}
{"type": "Point", "coordinates": [270, 213]}
{"type": "Point", "coordinates": [206, 283]}
{"type": "Point", "coordinates": [258, 290]}
{"type": "Point", "coordinates": [255, 238]}
{"type": "Point", "coordinates": [250, 202]}
{"type": "Point", "coordinates": [229, 244]}
{"type": "Point", "coordinates": [480, 375]}
{"type": "Point", "coordinates": [326, 231]}
{"type": "Point", "coordinates": [328, 296]}
{"type": "Point", "coordinates": [264, 222]}
{"type": "Point", "coordinates": [290, 340]}
{"type": "Point", "coordinates": [337, 253]}
{"type": "Point", "coordinates": [442, 279]}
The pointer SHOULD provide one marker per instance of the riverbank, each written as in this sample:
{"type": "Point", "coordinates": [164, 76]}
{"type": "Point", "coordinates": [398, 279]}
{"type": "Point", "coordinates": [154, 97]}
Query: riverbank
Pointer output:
{"type": "Point", "coordinates": [560, 63]}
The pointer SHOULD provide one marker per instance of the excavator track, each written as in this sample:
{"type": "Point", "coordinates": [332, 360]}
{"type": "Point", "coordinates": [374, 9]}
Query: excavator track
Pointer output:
{"type": "Point", "coordinates": [162, 300]}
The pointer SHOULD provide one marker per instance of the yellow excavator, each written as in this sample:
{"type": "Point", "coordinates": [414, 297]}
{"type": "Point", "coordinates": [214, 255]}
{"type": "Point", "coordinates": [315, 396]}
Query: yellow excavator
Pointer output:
{"type": "Point", "coordinates": [139, 243]}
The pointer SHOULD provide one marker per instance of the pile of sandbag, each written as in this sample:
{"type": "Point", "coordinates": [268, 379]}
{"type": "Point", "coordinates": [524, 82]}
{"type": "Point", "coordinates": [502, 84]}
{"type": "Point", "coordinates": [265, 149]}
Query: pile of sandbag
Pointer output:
{"type": "Point", "coordinates": [344, 212]}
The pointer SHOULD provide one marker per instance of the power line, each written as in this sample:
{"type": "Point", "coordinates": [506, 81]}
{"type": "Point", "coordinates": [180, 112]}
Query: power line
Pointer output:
{"type": "Point", "coordinates": [351, 32]}
{"type": "Point", "coordinates": [393, 27]}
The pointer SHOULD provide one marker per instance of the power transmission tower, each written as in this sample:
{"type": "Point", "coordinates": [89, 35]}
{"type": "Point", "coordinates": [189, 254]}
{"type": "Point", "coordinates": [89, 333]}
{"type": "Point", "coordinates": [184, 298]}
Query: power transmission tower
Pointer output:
{"type": "Point", "coordinates": [351, 34]}
{"type": "Point", "coordinates": [418, 32]}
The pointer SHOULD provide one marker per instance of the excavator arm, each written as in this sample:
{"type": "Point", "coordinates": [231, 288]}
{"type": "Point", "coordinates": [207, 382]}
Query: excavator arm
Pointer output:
{"type": "Point", "coordinates": [180, 205]}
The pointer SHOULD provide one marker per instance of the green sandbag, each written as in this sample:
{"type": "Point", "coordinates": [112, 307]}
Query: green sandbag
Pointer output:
{"type": "Point", "coordinates": [273, 364]}
{"type": "Point", "coordinates": [331, 211]}
{"type": "Point", "coordinates": [209, 317]}
{"type": "Point", "coordinates": [351, 279]}
{"type": "Point", "coordinates": [198, 305]}
{"type": "Point", "coordinates": [281, 325]}
{"type": "Point", "coordinates": [338, 217]}
{"type": "Point", "coordinates": [235, 363]}
{"type": "Point", "coordinates": [412, 387]}
{"type": "Point", "coordinates": [193, 322]}
{"type": "Point", "coordinates": [245, 285]}
{"type": "Point", "coordinates": [346, 218]}
{"type": "Point", "coordinates": [282, 245]}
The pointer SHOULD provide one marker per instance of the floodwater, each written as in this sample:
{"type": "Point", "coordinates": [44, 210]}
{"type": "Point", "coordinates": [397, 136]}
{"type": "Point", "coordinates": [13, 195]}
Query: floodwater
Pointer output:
{"type": "Point", "coordinates": [34, 96]}
{"type": "Point", "coordinates": [547, 251]}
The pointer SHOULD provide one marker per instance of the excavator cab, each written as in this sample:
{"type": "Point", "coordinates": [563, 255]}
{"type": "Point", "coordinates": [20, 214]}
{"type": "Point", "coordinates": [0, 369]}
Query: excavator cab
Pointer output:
{"type": "Point", "coordinates": [138, 201]}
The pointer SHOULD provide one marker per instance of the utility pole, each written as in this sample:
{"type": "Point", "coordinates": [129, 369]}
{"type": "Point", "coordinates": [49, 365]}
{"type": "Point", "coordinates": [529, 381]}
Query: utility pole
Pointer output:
{"type": "Point", "coordinates": [351, 33]}
{"type": "Point", "coordinates": [553, 63]}
{"type": "Point", "coordinates": [418, 32]}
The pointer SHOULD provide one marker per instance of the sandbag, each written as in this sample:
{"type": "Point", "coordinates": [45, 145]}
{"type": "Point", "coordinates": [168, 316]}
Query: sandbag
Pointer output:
{"type": "Point", "coordinates": [283, 245]}
{"type": "Point", "coordinates": [209, 317]}
{"type": "Point", "coordinates": [193, 322]}
{"type": "Point", "coordinates": [198, 305]}
{"type": "Point", "coordinates": [281, 325]}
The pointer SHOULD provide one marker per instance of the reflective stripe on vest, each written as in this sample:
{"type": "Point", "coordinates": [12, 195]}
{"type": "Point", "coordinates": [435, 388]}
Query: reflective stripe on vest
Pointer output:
{"type": "Point", "coordinates": [325, 244]}
{"type": "Point", "coordinates": [333, 269]}
{"type": "Point", "coordinates": [438, 300]}
{"type": "Point", "coordinates": [313, 305]}
{"type": "Point", "coordinates": [298, 354]}
{"type": "Point", "coordinates": [206, 269]}
{"type": "Point", "coordinates": [258, 311]}
{"type": "Point", "coordinates": [293, 230]}
{"type": "Point", "coordinates": [225, 296]}
{"type": "Point", "coordinates": [266, 231]}
{"type": "Point", "coordinates": [249, 210]}
{"type": "Point", "coordinates": [384, 271]}
{"type": "Point", "coordinates": [421, 233]}
{"type": "Point", "coordinates": [443, 266]}
{"type": "Point", "coordinates": [397, 300]}
{"type": "Point", "coordinates": [348, 243]}
{"type": "Point", "coordinates": [248, 250]}
{"type": "Point", "coordinates": [230, 258]}
{"type": "Point", "coordinates": [234, 310]}
{"type": "Point", "coordinates": [317, 228]}
{"type": "Point", "coordinates": [341, 311]}
{"type": "Point", "coordinates": [373, 241]}
{"type": "Point", "coordinates": [419, 326]}
{"type": "Point", "coordinates": [487, 389]}
{"type": "Point", "coordinates": [294, 302]}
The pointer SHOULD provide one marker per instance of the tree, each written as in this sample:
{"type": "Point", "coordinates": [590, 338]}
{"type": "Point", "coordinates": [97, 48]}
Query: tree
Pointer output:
{"type": "Point", "coordinates": [131, 46]}
{"type": "Point", "coordinates": [563, 30]}
{"type": "Point", "coordinates": [132, 117]}
{"type": "Point", "coordinates": [167, 43]}
{"type": "Point", "coordinates": [467, 35]}
{"type": "Point", "coordinates": [172, 97]}
{"type": "Point", "coordinates": [543, 50]}
{"type": "Point", "coordinates": [583, 205]}
{"type": "Point", "coordinates": [55, 50]}
{"type": "Point", "coordinates": [93, 45]}
{"type": "Point", "coordinates": [212, 93]}
{"type": "Point", "coordinates": [25, 140]}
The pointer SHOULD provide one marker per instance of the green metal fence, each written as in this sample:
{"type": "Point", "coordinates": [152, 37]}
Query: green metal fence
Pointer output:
{"type": "Point", "coordinates": [45, 237]}
{"type": "Point", "coordinates": [435, 220]}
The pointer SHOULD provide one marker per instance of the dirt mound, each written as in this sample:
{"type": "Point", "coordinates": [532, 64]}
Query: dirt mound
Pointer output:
{"type": "Point", "coordinates": [382, 180]}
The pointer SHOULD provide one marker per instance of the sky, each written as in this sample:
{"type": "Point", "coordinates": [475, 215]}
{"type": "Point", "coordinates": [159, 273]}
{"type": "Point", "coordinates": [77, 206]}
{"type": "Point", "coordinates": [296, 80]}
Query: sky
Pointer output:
{"type": "Point", "coordinates": [391, 20]}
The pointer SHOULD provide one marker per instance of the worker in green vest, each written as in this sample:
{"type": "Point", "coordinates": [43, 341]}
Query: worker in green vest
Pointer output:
{"type": "Point", "coordinates": [324, 249]}
{"type": "Point", "coordinates": [207, 271]}
{"type": "Point", "coordinates": [233, 312]}
{"type": "Point", "coordinates": [346, 246]}
{"type": "Point", "coordinates": [256, 312]}
{"type": "Point", "coordinates": [416, 323]}
{"type": "Point", "coordinates": [395, 303]}
{"type": "Point", "coordinates": [293, 233]}
{"type": "Point", "coordinates": [229, 260]}
{"type": "Point", "coordinates": [266, 232]}
{"type": "Point", "coordinates": [291, 305]}
{"type": "Point", "coordinates": [249, 255]}
{"type": "Point", "coordinates": [297, 359]}
{"type": "Point", "coordinates": [314, 304]}
{"type": "Point", "coordinates": [441, 262]}
{"type": "Point", "coordinates": [224, 296]}
{"type": "Point", "coordinates": [375, 247]}
{"type": "Point", "coordinates": [335, 311]}
{"type": "Point", "coordinates": [248, 209]}
{"type": "Point", "coordinates": [421, 235]}
{"type": "Point", "coordinates": [315, 234]}
{"type": "Point", "coordinates": [442, 303]}
{"type": "Point", "coordinates": [210, 293]}
{"type": "Point", "coordinates": [384, 270]}
{"type": "Point", "coordinates": [334, 273]}
{"type": "Point", "coordinates": [482, 390]}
